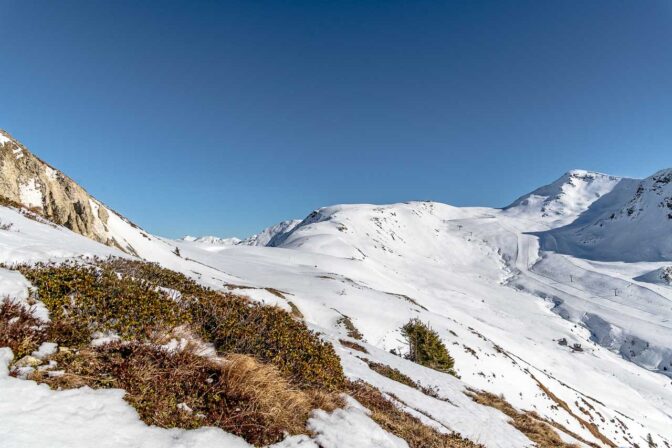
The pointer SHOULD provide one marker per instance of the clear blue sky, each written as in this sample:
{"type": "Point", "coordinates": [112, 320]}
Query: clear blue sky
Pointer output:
{"type": "Point", "coordinates": [223, 117]}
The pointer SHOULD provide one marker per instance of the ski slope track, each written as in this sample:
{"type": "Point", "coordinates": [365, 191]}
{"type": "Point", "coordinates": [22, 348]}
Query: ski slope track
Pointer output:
{"type": "Point", "coordinates": [502, 287]}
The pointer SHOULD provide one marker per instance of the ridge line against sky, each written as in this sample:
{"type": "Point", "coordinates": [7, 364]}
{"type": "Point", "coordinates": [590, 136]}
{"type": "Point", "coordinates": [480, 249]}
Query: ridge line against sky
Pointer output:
{"type": "Point", "coordinates": [226, 117]}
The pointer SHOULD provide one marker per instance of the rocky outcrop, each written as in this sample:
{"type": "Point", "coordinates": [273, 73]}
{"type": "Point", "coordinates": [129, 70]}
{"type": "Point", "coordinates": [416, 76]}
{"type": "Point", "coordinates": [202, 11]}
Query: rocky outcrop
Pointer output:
{"type": "Point", "coordinates": [26, 179]}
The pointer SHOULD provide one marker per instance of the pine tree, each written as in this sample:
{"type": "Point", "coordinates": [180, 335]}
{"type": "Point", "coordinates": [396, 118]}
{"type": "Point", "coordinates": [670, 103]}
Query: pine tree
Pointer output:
{"type": "Point", "coordinates": [426, 347]}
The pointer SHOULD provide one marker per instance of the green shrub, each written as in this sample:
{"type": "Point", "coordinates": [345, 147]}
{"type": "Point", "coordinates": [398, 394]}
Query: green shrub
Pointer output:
{"type": "Point", "coordinates": [426, 347]}
{"type": "Point", "coordinates": [85, 299]}
{"type": "Point", "coordinates": [234, 325]}
{"type": "Point", "coordinates": [130, 298]}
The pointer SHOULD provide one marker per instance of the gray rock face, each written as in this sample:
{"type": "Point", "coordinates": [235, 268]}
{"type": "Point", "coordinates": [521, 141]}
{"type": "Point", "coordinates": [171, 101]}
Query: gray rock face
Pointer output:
{"type": "Point", "coordinates": [26, 179]}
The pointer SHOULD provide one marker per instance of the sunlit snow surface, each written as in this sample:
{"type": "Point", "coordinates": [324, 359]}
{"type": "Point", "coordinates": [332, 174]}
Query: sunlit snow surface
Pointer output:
{"type": "Point", "coordinates": [475, 274]}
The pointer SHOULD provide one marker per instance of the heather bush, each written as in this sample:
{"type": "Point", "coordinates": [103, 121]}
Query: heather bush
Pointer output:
{"type": "Point", "coordinates": [234, 325]}
{"type": "Point", "coordinates": [19, 329]}
{"type": "Point", "coordinates": [85, 299]}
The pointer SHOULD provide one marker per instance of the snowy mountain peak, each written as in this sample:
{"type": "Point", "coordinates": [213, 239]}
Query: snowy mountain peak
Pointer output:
{"type": "Point", "coordinates": [262, 238]}
{"type": "Point", "coordinates": [269, 234]}
{"type": "Point", "coordinates": [632, 223]}
{"type": "Point", "coordinates": [561, 202]}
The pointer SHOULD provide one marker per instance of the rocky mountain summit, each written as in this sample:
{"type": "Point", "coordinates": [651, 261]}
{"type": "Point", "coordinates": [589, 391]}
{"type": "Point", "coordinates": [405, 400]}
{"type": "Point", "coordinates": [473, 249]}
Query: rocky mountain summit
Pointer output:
{"type": "Point", "coordinates": [28, 180]}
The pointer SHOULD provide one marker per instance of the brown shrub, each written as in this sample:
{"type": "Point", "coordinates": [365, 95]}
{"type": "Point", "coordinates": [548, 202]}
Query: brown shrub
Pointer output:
{"type": "Point", "coordinates": [402, 424]}
{"type": "Point", "coordinates": [19, 329]}
{"type": "Point", "coordinates": [296, 312]}
{"type": "Point", "coordinates": [236, 393]}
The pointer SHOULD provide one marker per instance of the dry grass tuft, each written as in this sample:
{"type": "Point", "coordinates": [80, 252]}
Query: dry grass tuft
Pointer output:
{"type": "Point", "coordinates": [181, 389]}
{"type": "Point", "coordinates": [19, 329]}
{"type": "Point", "coordinates": [402, 424]}
{"type": "Point", "coordinates": [353, 345]}
{"type": "Point", "coordinates": [396, 375]}
{"type": "Point", "coordinates": [353, 332]}
{"type": "Point", "coordinates": [296, 312]}
{"type": "Point", "coordinates": [529, 423]}
{"type": "Point", "coordinates": [592, 428]}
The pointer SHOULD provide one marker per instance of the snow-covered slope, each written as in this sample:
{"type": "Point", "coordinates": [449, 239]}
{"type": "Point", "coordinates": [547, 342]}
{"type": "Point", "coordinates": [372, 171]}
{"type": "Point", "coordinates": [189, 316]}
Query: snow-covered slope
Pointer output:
{"type": "Point", "coordinates": [80, 418]}
{"type": "Point", "coordinates": [632, 223]}
{"type": "Point", "coordinates": [478, 276]}
{"type": "Point", "coordinates": [470, 273]}
{"type": "Point", "coordinates": [661, 276]}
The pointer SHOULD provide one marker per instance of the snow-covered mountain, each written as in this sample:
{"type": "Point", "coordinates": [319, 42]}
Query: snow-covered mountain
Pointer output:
{"type": "Point", "coordinates": [270, 234]}
{"type": "Point", "coordinates": [631, 223]}
{"type": "Point", "coordinates": [583, 344]}
{"type": "Point", "coordinates": [210, 240]}
{"type": "Point", "coordinates": [562, 201]}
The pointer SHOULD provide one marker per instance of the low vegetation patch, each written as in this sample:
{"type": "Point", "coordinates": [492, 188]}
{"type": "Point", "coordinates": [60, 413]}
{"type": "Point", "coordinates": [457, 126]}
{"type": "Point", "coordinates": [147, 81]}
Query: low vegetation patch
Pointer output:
{"type": "Point", "coordinates": [426, 347]}
{"type": "Point", "coordinates": [296, 312]}
{"type": "Point", "coordinates": [396, 375]}
{"type": "Point", "coordinates": [181, 389]}
{"type": "Point", "coordinates": [19, 329]}
{"type": "Point", "coordinates": [270, 372]}
{"type": "Point", "coordinates": [353, 332]}
{"type": "Point", "coordinates": [529, 423]}
{"type": "Point", "coordinates": [6, 202]}
{"type": "Point", "coordinates": [83, 300]}
{"type": "Point", "coordinates": [403, 424]}
{"type": "Point", "coordinates": [235, 325]}
{"type": "Point", "coordinates": [592, 427]}
{"type": "Point", "coordinates": [353, 345]}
